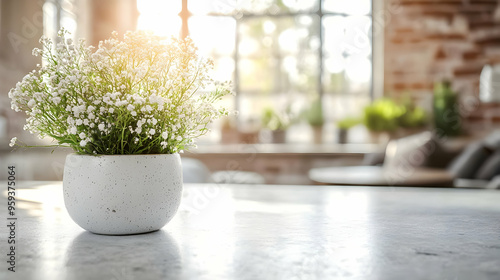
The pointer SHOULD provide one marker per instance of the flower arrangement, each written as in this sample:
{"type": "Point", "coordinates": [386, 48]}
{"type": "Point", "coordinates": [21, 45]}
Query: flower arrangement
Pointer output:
{"type": "Point", "coordinates": [140, 95]}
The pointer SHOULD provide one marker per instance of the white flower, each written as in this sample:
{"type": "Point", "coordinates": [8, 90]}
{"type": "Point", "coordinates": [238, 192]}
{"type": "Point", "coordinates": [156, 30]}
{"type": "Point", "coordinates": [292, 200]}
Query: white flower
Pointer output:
{"type": "Point", "coordinates": [120, 103]}
{"type": "Point", "coordinates": [83, 143]}
{"type": "Point", "coordinates": [13, 142]}
{"type": "Point", "coordinates": [73, 130]}
{"type": "Point", "coordinates": [111, 110]}
{"type": "Point", "coordinates": [164, 135]}
{"type": "Point", "coordinates": [79, 122]}
{"type": "Point", "coordinates": [152, 131]}
{"type": "Point", "coordinates": [36, 52]}
{"type": "Point", "coordinates": [164, 144]}
{"type": "Point", "coordinates": [56, 100]}
{"type": "Point", "coordinates": [81, 135]}
{"type": "Point", "coordinates": [101, 127]}
{"type": "Point", "coordinates": [130, 107]}
{"type": "Point", "coordinates": [31, 103]}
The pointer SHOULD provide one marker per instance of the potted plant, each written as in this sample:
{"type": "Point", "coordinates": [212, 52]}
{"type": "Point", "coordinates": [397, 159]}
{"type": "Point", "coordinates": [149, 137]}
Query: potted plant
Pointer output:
{"type": "Point", "coordinates": [276, 123]}
{"type": "Point", "coordinates": [127, 110]}
{"type": "Point", "coordinates": [381, 118]}
{"type": "Point", "coordinates": [413, 118]}
{"type": "Point", "coordinates": [229, 131]}
{"type": "Point", "coordinates": [315, 118]}
{"type": "Point", "coordinates": [447, 118]}
{"type": "Point", "coordinates": [343, 127]}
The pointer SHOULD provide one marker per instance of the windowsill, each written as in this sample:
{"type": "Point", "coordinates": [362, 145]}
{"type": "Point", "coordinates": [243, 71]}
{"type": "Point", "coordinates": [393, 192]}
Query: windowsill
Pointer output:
{"type": "Point", "coordinates": [287, 149]}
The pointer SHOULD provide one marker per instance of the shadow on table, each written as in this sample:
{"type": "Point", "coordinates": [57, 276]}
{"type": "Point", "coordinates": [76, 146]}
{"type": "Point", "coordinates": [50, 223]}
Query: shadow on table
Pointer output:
{"type": "Point", "coordinates": [155, 255]}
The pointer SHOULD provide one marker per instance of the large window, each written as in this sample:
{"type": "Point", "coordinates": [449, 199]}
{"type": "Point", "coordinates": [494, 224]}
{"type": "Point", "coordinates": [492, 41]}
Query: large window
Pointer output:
{"type": "Point", "coordinates": [278, 52]}
{"type": "Point", "coordinates": [57, 14]}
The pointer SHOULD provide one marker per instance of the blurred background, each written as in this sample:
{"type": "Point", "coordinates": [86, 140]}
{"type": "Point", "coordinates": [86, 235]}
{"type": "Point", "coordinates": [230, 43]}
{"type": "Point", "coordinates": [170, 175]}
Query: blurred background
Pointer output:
{"type": "Point", "coordinates": [318, 83]}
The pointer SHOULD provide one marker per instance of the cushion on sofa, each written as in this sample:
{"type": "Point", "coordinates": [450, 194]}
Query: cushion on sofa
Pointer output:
{"type": "Point", "coordinates": [490, 168]}
{"type": "Point", "coordinates": [410, 151]}
{"type": "Point", "coordinates": [492, 141]}
{"type": "Point", "coordinates": [468, 162]}
{"type": "Point", "coordinates": [494, 183]}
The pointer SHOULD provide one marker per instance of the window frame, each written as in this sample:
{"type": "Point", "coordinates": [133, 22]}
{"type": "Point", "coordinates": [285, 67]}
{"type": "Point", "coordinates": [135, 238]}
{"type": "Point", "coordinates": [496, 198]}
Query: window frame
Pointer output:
{"type": "Point", "coordinates": [319, 12]}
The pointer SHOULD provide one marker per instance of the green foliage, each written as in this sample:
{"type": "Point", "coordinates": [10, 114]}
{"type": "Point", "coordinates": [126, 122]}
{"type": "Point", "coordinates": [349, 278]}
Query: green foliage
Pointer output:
{"type": "Point", "coordinates": [382, 115]}
{"type": "Point", "coordinates": [348, 122]}
{"type": "Point", "coordinates": [413, 117]}
{"type": "Point", "coordinates": [314, 113]}
{"type": "Point", "coordinates": [447, 118]}
{"type": "Point", "coordinates": [139, 95]}
{"type": "Point", "coordinates": [387, 115]}
{"type": "Point", "coordinates": [273, 120]}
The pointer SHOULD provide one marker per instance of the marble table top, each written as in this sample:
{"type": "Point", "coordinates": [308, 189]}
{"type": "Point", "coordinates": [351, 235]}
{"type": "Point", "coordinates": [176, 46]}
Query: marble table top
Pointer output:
{"type": "Point", "coordinates": [268, 232]}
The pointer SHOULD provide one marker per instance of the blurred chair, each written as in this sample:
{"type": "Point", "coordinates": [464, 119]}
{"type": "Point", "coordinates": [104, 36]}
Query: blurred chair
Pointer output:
{"type": "Point", "coordinates": [195, 171]}
{"type": "Point", "coordinates": [238, 177]}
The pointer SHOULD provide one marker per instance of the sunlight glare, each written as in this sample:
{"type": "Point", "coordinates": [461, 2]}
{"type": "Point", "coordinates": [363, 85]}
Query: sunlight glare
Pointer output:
{"type": "Point", "coordinates": [358, 69]}
{"type": "Point", "coordinates": [160, 17]}
{"type": "Point", "coordinates": [352, 7]}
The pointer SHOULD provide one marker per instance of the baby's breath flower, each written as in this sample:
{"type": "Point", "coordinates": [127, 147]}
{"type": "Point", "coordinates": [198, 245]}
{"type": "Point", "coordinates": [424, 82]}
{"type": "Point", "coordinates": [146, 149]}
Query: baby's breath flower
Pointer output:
{"type": "Point", "coordinates": [107, 96]}
{"type": "Point", "coordinates": [13, 142]}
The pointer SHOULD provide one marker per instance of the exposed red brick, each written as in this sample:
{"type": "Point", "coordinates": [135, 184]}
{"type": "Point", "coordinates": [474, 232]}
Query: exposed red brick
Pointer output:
{"type": "Point", "coordinates": [491, 41]}
{"type": "Point", "coordinates": [468, 70]}
{"type": "Point", "coordinates": [471, 55]}
{"type": "Point", "coordinates": [483, 22]}
{"type": "Point", "coordinates": [450, 36]}
{"type": "Point", "coordinates": [404, 30]}
{"type": "Point", "coordinates": [494, 60]}
{"type": "Point", "coordinates": [421, 86]}
{"type": "Point", "coordinates": [431, 40]}
{"type": "Point", "coordinates": [456, 2]}
{"type": "Point", "coordinates": [400, 86]}
{"type": "Point", "coordinates": [397, 40]}
{"type": "Point", "coordinates": [440, 54]}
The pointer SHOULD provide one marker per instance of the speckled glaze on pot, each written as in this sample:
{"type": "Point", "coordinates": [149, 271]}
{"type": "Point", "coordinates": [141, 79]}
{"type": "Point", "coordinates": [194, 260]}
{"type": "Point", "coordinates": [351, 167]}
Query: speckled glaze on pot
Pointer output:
{"type": "Point", "coordinates": [122, 194]}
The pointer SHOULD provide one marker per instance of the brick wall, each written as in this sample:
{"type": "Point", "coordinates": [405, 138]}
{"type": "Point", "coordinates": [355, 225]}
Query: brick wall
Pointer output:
{"type": "Point", "coordinates": [430, 40]}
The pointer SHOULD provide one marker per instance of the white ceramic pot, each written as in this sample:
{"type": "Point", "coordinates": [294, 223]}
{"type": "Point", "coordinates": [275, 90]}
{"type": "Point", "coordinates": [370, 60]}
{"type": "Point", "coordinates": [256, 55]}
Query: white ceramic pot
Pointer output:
{"type": "Point", "coordinates": [122, 194]}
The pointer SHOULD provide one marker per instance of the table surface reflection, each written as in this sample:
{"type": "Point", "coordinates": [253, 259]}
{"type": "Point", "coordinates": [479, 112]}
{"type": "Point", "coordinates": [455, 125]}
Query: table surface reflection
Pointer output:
{"type": "Point", "coordinates": [270, 232]}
